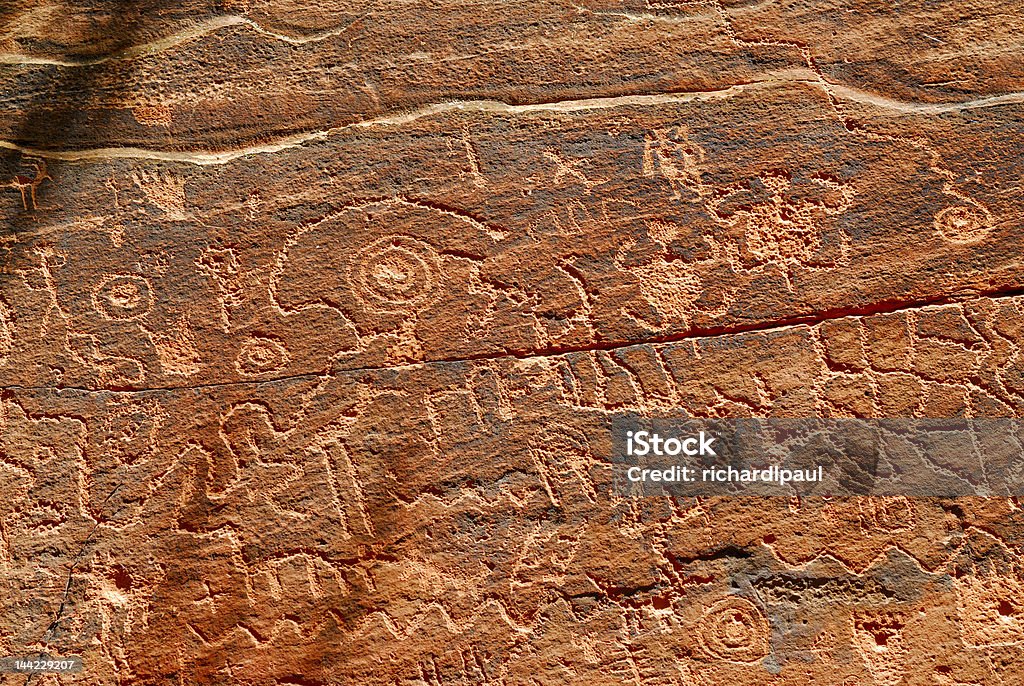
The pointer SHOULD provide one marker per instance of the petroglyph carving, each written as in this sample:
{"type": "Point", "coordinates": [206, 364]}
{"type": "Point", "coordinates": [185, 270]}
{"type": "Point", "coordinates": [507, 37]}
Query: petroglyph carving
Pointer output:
{"type": "Point", "coordinates": [890, 513]}
{"type": "Point", "coordinates": [991, 609]}
{"type": "Point", "coordinates": [547, 551]}
{"type": "Point", "coordinates": [122, 297]}
{"type": "Point", "coordinates": [782, 229]}
{"type": "Point", "coordinates": [569, 169]}
{"type": "Point", "coordinates": [177, 349]}
{"type": "Point", "coordinates": [129, 430]}
{"type": "Point", "coordinates": [671, 154]}
{"type": "Point", "coordinates": [733, 629]}
{"type": "Point", "coordinates": [473, 157]}
{"type": "Point", "coordinates": [389, 272]}
{"type": "Point", "coordinates": [301, 579]}
{"type": "Point", "coordinates": [671, 287]}
{"type": "Point", "coordinates": [40, 278]}
{"type": "Point", "coordinates": [562, 457]}
{"type": "Point", "coordinates": [964, 223]}
{"type": "Point", "coordinates": [164, 190]}
{"type": "Point", "coordinates": [346, 488]}
{"type": "Point", "coordinates": [878, 638]}
{"type": "Point", "coordinates": [6, 335]}
{"type": "Point", "coordinates": [29, 184]}
{"type": "Point", "coordinates": [395, 274]}
{"type": "Point", "coordinates": [113, 369]}
{"type": "Point", "coordinates": [403, 345]}
{"type": "Point", "coordinates": [221, 265]}
{"type": "Point", "coordinates": [776, 227]}
{"type": "Point", "coordinates": [261, 355]}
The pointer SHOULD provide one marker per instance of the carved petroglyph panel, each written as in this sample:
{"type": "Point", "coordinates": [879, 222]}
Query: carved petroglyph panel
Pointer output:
{"type": "Point", "coordinates": [314, 319]}
{"type": "Point", "coordinates": [677, 230]}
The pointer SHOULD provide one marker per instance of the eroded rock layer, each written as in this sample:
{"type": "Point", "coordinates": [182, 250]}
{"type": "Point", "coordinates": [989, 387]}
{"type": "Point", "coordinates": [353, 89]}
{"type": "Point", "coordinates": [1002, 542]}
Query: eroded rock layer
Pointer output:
{"type": "Point", "coordinates": [314, 317]}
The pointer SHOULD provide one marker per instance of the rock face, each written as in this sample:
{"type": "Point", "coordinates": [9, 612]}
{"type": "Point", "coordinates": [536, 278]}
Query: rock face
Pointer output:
{"type": "Point", "coordinates": [313, 316]}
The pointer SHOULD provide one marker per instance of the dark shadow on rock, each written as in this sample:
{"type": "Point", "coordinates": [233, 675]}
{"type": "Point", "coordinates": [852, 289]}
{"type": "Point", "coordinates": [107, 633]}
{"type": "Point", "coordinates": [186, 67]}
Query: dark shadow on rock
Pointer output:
{"type": "Point", "coordinates": [78, 105]}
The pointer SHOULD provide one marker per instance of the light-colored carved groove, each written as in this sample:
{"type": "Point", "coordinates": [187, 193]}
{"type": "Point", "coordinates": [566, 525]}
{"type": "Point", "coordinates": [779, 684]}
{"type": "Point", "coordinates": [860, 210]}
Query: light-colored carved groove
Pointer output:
{"type": "Point", "coordinates": [925, 108]}
{"type": "Point", "coordinates": [802, 76]}
{"type": "Point", "coordinates": [159, 45]}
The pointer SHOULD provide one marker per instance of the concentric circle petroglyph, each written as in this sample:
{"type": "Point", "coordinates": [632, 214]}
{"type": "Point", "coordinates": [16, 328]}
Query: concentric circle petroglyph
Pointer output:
{"type": "Point", "coordinates": [963, 223]}
{"type": "Point", "coordinates": [734, 629]}
{"type": "Point", "coordinates": [260, 355]}
{"type": "Point", "coordinates": [395, 274]}
{"type": "Point", "coordinates": [123, 296]}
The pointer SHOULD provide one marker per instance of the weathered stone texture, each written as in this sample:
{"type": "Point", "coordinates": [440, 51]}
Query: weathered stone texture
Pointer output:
{"type": "Point", "coordinates": [314, 317]}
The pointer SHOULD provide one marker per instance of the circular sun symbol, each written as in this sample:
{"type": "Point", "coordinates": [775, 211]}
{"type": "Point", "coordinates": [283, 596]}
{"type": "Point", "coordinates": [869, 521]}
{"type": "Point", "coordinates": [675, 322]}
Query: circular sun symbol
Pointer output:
{"type": "Point", "coordinates": [395, 274]}
{"type": "Point", "coordinates": [123, 297]}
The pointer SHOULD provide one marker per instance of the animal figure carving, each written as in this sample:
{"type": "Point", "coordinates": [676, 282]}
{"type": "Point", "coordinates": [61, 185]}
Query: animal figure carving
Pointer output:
{"type": "Point", "coordinates": [27, 185]}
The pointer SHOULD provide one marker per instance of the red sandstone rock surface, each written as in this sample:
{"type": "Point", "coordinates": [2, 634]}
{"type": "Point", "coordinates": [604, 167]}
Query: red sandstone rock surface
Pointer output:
{"type": "Point", "coordinates": [313, 316]}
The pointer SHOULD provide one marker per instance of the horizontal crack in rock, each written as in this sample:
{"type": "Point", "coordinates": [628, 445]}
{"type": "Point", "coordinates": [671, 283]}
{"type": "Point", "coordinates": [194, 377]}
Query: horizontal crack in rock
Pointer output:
{"type": "Point", "coordinates": [695, 333]}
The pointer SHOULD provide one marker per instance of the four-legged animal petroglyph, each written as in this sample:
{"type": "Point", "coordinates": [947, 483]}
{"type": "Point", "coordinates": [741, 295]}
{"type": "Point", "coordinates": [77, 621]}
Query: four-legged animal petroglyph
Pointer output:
{"type": "Point", "coordinates": [28, 185]}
